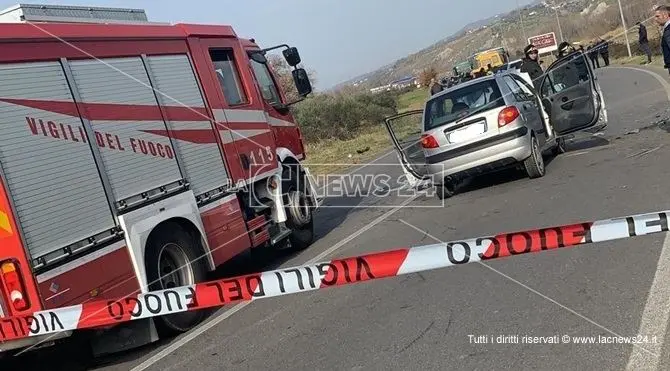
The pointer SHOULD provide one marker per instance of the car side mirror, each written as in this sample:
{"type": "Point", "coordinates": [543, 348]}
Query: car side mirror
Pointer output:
{"type": "Point", "coordinates": [292, 56]}
{"type": "Point", "coordinates": [302, 83]}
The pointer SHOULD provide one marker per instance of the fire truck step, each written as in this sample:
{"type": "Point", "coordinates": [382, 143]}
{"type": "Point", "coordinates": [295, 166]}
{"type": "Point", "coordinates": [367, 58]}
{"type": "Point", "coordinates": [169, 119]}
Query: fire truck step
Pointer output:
{"type": "Point", "coordinates": [280, 236]}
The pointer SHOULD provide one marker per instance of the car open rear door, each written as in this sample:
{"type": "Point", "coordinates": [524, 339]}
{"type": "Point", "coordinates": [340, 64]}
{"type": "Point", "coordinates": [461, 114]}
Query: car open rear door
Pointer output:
{"type": "Point", "coordinates": [405, 131]}
{"type": "Point", "coordinates": [570, 94]}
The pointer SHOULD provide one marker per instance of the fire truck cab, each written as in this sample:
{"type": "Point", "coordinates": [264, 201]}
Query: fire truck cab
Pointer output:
{"type": "Point", "coordinates": [137, 156]}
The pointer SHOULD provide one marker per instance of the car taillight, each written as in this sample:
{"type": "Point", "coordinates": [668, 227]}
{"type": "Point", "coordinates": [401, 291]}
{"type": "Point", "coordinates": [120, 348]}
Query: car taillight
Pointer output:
{"type": "Point", "coordinates": [428, 141]}
{"type": "Point", "coordinates": [14, 285]}
{"type": "Point", "coordinates": [507, 115]}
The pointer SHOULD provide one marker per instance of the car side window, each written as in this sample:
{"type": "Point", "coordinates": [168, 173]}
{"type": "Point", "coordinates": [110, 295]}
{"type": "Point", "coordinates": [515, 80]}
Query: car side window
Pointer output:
{"type": "Point", "coordinates": [567, 74]}
{"type": "Point", "coordinates": [518, 94]}
{"type": "Point", "coordinates": [524, 87]}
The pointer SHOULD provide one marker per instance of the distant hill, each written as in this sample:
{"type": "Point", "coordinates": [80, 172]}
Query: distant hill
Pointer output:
{"type": "Point", "coordinates": [580, 19]}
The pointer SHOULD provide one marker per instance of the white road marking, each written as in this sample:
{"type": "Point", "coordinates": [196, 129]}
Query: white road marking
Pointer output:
{"type": "Point", "coordinates": [655, 316]}
{"type": "Point", "coordinates": [657, 309]}
{"type": "Point", "coordinates": [223, 316]}
{"type": "Point", "coordinates": [663, 81]}
{"type": "Point", "coordinates": [645, 152]}
{"type": "Point", "coordinates": [641, 348]}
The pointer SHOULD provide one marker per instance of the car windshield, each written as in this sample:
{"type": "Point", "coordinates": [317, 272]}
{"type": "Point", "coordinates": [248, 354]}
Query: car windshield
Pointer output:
{"type": "Point", "coordinates": [456, 104]}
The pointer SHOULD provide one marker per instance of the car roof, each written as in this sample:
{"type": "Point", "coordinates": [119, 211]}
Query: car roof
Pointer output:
{"type": "Point", "coordinates": [465, 84]}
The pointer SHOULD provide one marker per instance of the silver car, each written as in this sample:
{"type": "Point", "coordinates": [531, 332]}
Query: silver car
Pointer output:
{"type": "Point", "coordinates": [497, 121]}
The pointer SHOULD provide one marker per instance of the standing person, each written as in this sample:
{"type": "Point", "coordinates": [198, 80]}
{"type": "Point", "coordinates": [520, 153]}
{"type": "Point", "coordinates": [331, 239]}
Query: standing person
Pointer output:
{"type": "Point", "coordinates": [531, 65]}
{"type": "Point", "coordinates": [604, 48]}
{"type": "Point", "coordinates": [564, 49]}
{"type": "Point", "coordinates": [644, 41]}
{"type": "Point", "coordinates": [662, 17]}
{"type": "Point", "coordinates": [435, 87]}
{"type": "Point", "coordinates": [592, 52]}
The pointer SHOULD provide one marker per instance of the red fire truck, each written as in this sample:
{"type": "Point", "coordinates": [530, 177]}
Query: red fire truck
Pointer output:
{"type": "Point", "coordinates": [137, 156]}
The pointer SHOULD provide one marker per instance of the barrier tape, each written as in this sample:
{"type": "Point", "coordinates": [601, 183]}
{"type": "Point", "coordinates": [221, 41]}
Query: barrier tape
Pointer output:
{"type": "Point", "coordinates": [322, 275]}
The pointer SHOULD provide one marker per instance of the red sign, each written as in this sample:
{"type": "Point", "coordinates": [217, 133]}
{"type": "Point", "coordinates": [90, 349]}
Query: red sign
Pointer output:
{"type": "Point", "coordinates": [545, 43]}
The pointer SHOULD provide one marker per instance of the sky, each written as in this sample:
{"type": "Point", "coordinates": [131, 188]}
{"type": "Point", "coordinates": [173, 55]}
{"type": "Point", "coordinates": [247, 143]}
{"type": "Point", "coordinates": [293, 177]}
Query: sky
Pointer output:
{"type": "Point", "coordinates": [339, 39]}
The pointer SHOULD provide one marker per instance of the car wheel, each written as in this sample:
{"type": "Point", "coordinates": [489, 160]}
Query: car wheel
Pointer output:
{"type": "Point", "coordinates": [534, 164]}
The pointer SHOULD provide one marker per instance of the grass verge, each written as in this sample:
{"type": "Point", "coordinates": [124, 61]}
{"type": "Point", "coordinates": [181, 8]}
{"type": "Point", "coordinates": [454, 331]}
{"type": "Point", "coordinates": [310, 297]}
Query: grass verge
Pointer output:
{"type": "Point", "coordinates": [332, 157]}
{"type": "Point", "coordinates": [412, 100]}
{"type": "Point", "coordinates": [638, 60]}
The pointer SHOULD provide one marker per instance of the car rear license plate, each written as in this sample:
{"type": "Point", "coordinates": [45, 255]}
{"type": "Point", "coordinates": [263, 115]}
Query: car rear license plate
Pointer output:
{"type": "Point", "coordinates": [467, 133]}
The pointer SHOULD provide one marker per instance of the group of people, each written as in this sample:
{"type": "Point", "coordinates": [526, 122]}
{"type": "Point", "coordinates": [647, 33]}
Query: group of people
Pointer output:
{"type": "Point", "coordinates": [532, 65]}
{"type": "Point", "coordinates": [598, 48]}
{"type": "Point", "coordinates": [447, 82]}
{"type": "Point", "coordinates": [455, 79]}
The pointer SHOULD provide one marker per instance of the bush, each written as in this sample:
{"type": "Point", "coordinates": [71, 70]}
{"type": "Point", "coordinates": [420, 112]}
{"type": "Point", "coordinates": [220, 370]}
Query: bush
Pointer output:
{"type": "Point", "coordinates": [341, 117]}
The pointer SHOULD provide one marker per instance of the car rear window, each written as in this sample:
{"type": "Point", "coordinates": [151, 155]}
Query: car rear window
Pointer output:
{"type": "Point", "coordinates": [451, 106]}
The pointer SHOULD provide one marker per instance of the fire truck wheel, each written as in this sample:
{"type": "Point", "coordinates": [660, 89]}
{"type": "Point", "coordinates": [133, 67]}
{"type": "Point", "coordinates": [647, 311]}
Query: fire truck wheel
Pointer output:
{"type": "Point", "coordinates": [298, 209]}
{"type": "Point", "coordinates": [172, 260]}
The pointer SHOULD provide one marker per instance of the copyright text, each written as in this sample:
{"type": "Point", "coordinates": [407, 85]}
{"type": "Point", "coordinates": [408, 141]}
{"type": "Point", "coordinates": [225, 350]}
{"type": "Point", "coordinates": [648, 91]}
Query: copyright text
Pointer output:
{"type": "Point", "coordinates": [560, 339]}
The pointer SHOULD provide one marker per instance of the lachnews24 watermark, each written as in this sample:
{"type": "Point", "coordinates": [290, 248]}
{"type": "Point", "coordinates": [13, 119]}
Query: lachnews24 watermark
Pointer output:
{"type": "Point", "coordinates": [375, 185]}
{"type": "Point", "coordinates": [561, 339]}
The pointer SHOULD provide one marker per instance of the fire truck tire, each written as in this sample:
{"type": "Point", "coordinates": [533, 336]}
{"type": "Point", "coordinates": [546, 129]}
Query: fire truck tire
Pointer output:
{"type": "Point", "coordinates": [175, 254]}
{"type": "Point", "coordinates": [300, 218]}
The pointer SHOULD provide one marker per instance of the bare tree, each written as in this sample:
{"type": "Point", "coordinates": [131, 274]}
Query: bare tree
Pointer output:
{"type": "Point", "coordinates": [426, 75]}
{"type": "Point", "coordinates": [284, 76]}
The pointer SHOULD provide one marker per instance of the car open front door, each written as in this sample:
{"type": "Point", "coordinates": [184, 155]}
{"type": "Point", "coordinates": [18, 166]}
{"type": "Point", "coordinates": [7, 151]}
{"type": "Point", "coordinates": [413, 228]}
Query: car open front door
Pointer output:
{"type": "Point", "coordinates": [405, 131]}
{"type": "Point", "coordinates": [570, 94]}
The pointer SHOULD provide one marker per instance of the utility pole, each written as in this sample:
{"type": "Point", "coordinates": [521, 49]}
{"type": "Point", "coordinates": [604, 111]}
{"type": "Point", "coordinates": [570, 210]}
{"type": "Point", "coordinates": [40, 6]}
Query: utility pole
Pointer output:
{"type": "Point", "coordinates": [625, 29]}
{"type": "Point", "coordinates": [558, 20]}
{"type": "Point", "coordinates": [523, 27]}
{"type": "Point", "coordinates": [502, 33]}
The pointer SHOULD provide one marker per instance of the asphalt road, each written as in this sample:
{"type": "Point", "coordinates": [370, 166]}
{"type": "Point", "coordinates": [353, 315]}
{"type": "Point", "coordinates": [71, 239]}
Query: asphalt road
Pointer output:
{"type": "Point", "coordinates": [429, 320]}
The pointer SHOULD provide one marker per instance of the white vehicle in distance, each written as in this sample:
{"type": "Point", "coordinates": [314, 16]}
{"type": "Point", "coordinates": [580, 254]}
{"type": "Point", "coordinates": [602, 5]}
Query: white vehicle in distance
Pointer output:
{"type": "Point", "coordinates": [512, 65]}
{"type": "Point", "coordinates": [495, 122]}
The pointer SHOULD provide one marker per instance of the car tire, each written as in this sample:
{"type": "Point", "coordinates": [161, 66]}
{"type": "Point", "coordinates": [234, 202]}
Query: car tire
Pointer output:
{"type": "Point", "coordinates": [444, 191]}
{"type": "Point", "coordinates": [534, 164]}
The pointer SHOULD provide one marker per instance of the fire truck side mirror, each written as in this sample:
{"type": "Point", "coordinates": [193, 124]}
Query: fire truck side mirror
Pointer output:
{"type": "Point", "coordinates": [258, 57]}
{"type": "Point", "coordinates": [302, 83]}
{"type": "Point", "coordinates": [292, 56]}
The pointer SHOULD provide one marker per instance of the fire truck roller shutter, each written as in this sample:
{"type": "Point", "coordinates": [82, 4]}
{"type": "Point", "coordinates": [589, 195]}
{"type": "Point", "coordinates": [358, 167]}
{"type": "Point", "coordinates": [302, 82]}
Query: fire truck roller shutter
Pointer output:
{"type": "Point", "coordinates": [195, 139]}
{"type": "Point", "coordinates": [49, 167]}
{"type": "Point", "coordinates": [122, 107]}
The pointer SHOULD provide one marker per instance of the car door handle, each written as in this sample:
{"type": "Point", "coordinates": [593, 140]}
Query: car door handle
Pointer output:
{"type": "Point", "coordinates": [567, 106]}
